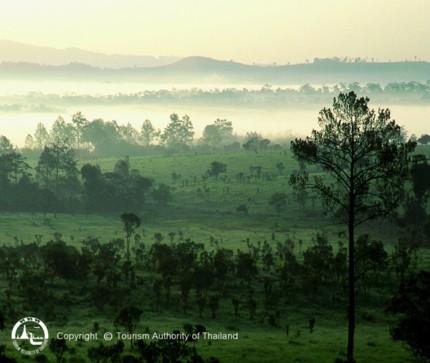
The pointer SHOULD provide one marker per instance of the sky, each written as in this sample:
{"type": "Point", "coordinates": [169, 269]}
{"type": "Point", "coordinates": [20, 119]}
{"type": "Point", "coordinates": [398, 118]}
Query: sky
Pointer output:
{"type": "Point", "coordinates": [261, 31]}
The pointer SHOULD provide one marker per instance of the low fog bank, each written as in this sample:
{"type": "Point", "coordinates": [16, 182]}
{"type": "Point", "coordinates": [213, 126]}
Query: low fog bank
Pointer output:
{"type": "Point", "coordinates": [269, 110]}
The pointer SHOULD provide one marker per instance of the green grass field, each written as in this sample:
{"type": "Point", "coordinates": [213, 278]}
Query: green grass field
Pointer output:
{"type": "Point", "coordinates": [199, 214]}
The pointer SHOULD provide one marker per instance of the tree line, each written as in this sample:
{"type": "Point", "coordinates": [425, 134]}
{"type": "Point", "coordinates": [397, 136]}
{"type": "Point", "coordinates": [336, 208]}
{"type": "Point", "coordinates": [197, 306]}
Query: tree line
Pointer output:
{"type": "Point", "coordinates": [56, 184]}
{"type": "Point", "coordinates": [411, 92]}
{"type": "Point", "coordinates": [99, 137]}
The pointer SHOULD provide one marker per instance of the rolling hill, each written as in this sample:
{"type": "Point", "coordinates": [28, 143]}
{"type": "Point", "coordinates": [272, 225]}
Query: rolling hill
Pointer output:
{"type": "Point", "coordinates": [86, 66]}
{"type": "Point", "coordinates": [16, 52]}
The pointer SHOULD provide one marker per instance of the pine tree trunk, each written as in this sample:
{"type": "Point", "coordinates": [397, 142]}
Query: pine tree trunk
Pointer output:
{"type": "Point", "coordinates": [351, 283]}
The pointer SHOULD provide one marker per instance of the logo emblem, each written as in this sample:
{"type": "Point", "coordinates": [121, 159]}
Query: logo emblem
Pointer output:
{"type": "Point", "coordinates": [30, 336]}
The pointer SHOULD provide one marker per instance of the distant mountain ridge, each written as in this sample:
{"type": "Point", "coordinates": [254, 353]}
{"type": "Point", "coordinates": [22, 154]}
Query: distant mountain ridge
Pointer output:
{"type": "Point", "coordinates": [198, 69]}
{"type": "Point", "coordinates": [199, 63]}
{"type": "Point", "coordinates": [16, 52]}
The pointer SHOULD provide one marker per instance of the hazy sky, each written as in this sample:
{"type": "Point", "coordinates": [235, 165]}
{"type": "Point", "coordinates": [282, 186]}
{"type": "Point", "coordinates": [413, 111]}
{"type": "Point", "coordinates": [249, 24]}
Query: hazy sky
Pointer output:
{"type": "Point", "coordinates": [244, 30]}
